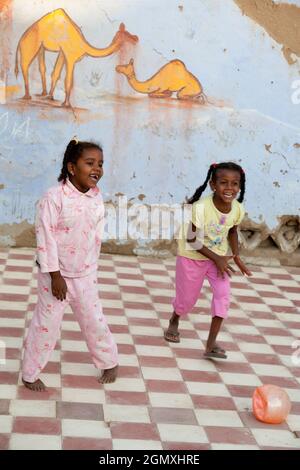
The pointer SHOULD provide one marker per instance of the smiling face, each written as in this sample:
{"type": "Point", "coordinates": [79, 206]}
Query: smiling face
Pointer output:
{"type": "Point", "coordinates": [87, 171]}
{"type": "Point", "coordinates": [226, 185]}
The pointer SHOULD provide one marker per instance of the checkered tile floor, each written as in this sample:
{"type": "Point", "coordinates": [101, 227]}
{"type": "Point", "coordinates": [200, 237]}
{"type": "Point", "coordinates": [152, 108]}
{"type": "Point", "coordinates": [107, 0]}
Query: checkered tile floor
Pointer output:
{"type": "Point", "coordinates": [167, 396]}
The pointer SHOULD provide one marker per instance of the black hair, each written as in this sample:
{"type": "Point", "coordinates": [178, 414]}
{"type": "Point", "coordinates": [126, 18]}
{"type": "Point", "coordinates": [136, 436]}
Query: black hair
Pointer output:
{"type": "Point", "coordinates": [212, 175]}
{"type": "Point", "coordinates": [73, 152]}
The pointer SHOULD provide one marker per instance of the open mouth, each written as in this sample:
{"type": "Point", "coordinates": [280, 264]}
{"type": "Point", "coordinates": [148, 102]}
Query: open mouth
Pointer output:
{"type": "Point", "coordinates": [94, 177]}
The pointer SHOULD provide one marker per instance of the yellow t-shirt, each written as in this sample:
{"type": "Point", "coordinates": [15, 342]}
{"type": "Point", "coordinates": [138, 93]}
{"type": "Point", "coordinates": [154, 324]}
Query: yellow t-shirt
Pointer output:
{"type": "Point", "coordinates": [213, 228]}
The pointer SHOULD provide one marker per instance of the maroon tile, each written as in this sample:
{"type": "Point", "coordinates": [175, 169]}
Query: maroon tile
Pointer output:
{"type": "Point", "coordinates": [110, 295]}
{"type": "Point", "coordinates": [184, 446]}
{"type": "Point", "coordinates": [196, 376]}
{"type": "Point", "coordinates": [168, 386]}
{"type": "Point", "coordinates": [9, 378]}
{"type": "Point", "coordinates": [126, 398]}
{"type": "Point", "coordinates": [282, 349]}
{"type": "Point", "coordinates": [251, 422]}
{"type": "Point", "coordinates": [11, 314]}
{"type": "Point", "coordinates": [11, 331]}
{"type": "Point", "coordinates": [76, 356]}
{"type": "Point", "coordinates": [134, 277]}
{"type": "Point", "coordinates": [161, 299]}
{"type": "Point", "coordinates": [35, 425]}
{"type": "Point", "coordinates": [257, 358]}
{"type": "Point", "coordinates": [295, 408]}
{"type": "Point", "coordinates": [274, 331]}
{"type": "Point", "coordinates": [119, 329]}
{"type": "Point", "coordinates": [73, 410]}
{"type": "Point", "coordinates": [188, 353]}
{"type": "Point", "coordinates": [129, 372]}
{"type": "Point", "coordinates": [173, 416]}
{"type": "Point", "coordinates": [248, 338]}
{"type": "Point", "coordinates": [126, 349]}
{"type": "Point", "coordinates": [114, 311]}
{"type": "Point", "coordinates": [80, 381]}
{"type": "Point", "coordinates": [238, 367]}
{"type": "Point", "coordinates": [14, 297]}
{"type": "Point", "coordinates": [249, 299]}
{"type": "Point", "coordinates": [126, 264]}
{"type": "Point", "coordinates": [51, 393]}
{"type": "Point", "coordinates": [138, 305]}
{"type": "Point", "coordinates": [134, 290]}
{"type": "Point", "coordinates": [241, 390]}
{"type": "Point", "coordinates": [159, 285]}
{"type": "Point", "coordinates": [235, 436]}
{"type": "Point", "coordinates": [134, 431]}
{"type": "Point", "coordinates": [21, 269]}
{"type": "Point", "coordinates": [107, 281]}
{"type": "Point", "coordinates": [84, 443]}
{"type": "Point", "coordinates": [20, 257]}
{"type": "Point", "coordinates": [105, 269]}
{"type": "Point", "coordinates": [288, 382]}
{"type": "Point", "coordinates": [52, 368]}
{"type": "Point", "coordinates": [283, 309]}
{"type": "Point", "coordinates": [72, 335]}
{"type": "Point", "coordinates": [149, 340]}
{"type": "Point", "coordinates": [290, 289]}
{"type": "Point", "coordinates": [15, 282]}
{"type": "Point", "coordinates": [271, 295]}
{"type": "Point", "coordinates": [155, 272]}
{"type": "Point", "coordinates": [257, 280]}
{"type": "Point", "coordinates": [213, 403]}
{"type": "Point", "coordinates": [4, 407]}
{"type": "Point", "coordinates": [13, 353]}
{"type": "Point", "coordinates": [155, 361]}
{"type": "Point", "coordinates": [286, 277]}
{"type": "Point", "coordinates": [4, 441]}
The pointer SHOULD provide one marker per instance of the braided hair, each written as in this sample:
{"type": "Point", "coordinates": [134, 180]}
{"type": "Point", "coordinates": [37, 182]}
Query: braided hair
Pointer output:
{"type": "Point", "coordinates": [212, 175]}
{"type": "Point", "coordinates": [73, 152]}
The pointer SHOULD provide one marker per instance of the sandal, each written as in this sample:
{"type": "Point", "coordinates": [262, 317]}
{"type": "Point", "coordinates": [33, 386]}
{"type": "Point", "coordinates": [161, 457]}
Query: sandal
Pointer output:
{"type": "Point", "coordinates": [215, 353]}
{"type": "Point", "coordinates": [172, 337]}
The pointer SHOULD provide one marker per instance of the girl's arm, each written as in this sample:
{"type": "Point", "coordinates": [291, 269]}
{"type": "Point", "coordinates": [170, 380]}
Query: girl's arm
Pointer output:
{"type": "Point", "coordinates": [46, 225]}
{"type": "Point", "coordinates": [234, 245]}
{"type": "Point", "coordinates": [220, 261]}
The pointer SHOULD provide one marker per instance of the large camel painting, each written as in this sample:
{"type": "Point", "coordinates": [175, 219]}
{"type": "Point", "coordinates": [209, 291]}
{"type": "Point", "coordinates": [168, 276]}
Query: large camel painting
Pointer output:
{"type": "Point", "coordinates": [57, 32]}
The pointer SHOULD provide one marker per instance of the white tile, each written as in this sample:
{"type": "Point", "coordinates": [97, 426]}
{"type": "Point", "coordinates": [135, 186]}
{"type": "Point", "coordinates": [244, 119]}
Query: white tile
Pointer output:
{"type": "Point", "coordinates": [276, 438]}
{"type": "Point", "coordinates": [294, 422]}
{"type": "Point", "coordinates": [126, 414]}
{"type": "Point", "coordinates": [243, 329]}
{"type": "Point", "coordinates": [130, 282]}
{"type": "Point", "coordinates": [8, 391]}
{"type": "Point", "coordinates": [70, 326]}
{"type": "Point", "coordinates": [157, 351]}
{"type": "Point", "coordinates": [68, 345]}
{"type": "Point", "coordinates": [218, 418]}
{"type": "Point", "coordinates": [272, 370]}
{"type": "Point", "coordinates": [146, 330]}
{"type": "Point", "coordinates": [240, 379]}
{"type": "Point", "coordinates": [233, 447]}
{"type": "Point", "coordinates": [280, 340]}
{"type": "Point", "coordinates": [85, 428]}
{"type": "Point", "coordinates": [136, 444]}
{"type": "Point", "coordinates": [210, 389]}
{"type": "Point", "coordinates": [165, 373]}
{"type": "Point", "coordinates": [12, 289]}
{"type": "Point", "coordinates": [135, 313]}
{"type": "Point", "coordinates": [182, 433]}
{"type": "Point", "coordinates": [278, 302]}
{"type": "Point", "coordinates": [42, 408]}
{"type": "Point", "coordinates": [13, 342]}
{"type": "Point", "coordinates": [251, 307]}
{"type": "Point", "coordinates": [73, 368]}
{"type": "Point", "coordinates": [285, 282]}
{"type": "Point", "coordinates": [170, 400]}
{"type": "Point", "coordinates": [243, 403]}
{"type": "Point", "coordinates": [6, 424]}
{"type": "Point", "coordinates": [116, 320]}
{"type": "Point", "coordinates": [128, 360]}
{"type": "Point", "coordinates": [123, 338]}
{"type": "Point", "coordinates": [201, 365]}
{"type": "Point", "coordinates": [9, 305]}
{"type": "Point", "coordinates": [83, 395]}
{"type": "Point", "coordinates": [256, 348]}
{"type": "Point", "coordinates": [130, 297]}
{"type": "Point", "coordinates": [34, 442]}
{"type": "Point", "coordinates": [109, 303]}
{"type": "Point", "coordinates": [17, 275]}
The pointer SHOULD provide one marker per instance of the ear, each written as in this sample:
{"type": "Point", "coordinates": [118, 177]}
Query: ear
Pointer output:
{"type": "Point", "coordinates": [122, 27]}
{"type": "Point", "coordinates": [212, 185]}
{"type": "Point", "coordinates": [70, 167]}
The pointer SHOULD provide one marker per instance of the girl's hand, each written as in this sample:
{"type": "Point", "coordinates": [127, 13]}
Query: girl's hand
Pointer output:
{"type": "Point", "coordinates": [58, 286]}
{"type": "Point", "coordinates": [242, 267]}
{"type": "Point", "coordinates": [222, 265]}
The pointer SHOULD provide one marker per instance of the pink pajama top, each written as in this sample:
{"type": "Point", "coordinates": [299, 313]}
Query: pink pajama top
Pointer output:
{"type": "Point", "coordinates": [69, 227]}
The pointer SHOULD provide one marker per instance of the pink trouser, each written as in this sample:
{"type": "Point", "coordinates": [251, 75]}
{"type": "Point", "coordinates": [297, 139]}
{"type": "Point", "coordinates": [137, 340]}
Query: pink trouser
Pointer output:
{"type": "Point", "coordinates": [190, 275]}
{"type": "Point", "coordinates": [82, 296]}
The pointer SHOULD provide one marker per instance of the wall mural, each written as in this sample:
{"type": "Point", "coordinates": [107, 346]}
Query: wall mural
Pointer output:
{"type": "Point", "coordinates": [57, 32]}
{"type": "Point", "coordinates": [171, 78]}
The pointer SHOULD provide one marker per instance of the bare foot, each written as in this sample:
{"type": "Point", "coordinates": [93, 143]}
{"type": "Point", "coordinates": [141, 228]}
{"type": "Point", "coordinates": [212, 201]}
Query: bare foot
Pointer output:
{"type": "Point", "coordinates": [109, 375]}
{"type": "Point", "coordinates": [37, 386]}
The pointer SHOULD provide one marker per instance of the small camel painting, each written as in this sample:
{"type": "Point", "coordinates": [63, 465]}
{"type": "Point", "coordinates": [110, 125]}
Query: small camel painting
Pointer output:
{"type": "Point", "coordinates": [57, 32]}
{"type": "Point", "coordinates": [171, 78]}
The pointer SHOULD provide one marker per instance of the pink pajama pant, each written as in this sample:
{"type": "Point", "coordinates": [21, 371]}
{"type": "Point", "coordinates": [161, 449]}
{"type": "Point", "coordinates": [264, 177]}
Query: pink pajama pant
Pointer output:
{"type": "Point", "coordinates": [190, 275]}
{"type": "Point", "coordinates": [82, 296]}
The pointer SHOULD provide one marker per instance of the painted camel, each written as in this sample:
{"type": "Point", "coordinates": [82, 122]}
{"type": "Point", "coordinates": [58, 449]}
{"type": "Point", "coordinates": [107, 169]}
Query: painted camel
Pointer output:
{"type": "Point", "coordinates": [172, 77]}
{"type": "Point", "coordinates": [280, 20]}
{"type": "Point", "coordinates": [57, 32]}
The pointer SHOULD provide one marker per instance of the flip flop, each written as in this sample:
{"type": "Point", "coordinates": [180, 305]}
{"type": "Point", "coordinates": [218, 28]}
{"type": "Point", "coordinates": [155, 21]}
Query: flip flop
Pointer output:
{"type": "Point", "coordinates": [215, 353]}
{"type": "Point", "coordinates": [172, 337]}
{"type": "Point", "coordinates": [218, 349]}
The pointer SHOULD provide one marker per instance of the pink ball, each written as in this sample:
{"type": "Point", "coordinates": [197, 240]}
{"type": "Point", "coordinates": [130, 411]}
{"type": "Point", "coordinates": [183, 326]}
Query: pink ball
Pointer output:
{"type": "Point", "coordinates": [271, 404]}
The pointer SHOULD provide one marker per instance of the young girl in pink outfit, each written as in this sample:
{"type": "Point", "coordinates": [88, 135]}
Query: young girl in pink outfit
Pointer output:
{"type": "Point", "coordinates": [68, 230]}
{"type": "Point", "coordinates": [203, 250]}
